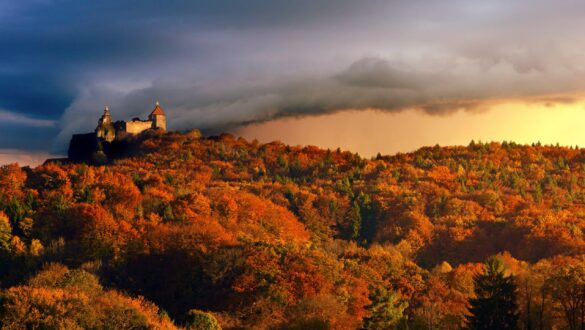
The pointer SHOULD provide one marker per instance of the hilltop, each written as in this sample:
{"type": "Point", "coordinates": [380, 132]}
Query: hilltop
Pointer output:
{"type": "Point", "coordinates": [288, 237]}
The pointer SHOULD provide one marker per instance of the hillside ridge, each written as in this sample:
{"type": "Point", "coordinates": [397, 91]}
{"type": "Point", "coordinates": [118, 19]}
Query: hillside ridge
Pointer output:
{"type": "Point", "coordinates": [277, 236]}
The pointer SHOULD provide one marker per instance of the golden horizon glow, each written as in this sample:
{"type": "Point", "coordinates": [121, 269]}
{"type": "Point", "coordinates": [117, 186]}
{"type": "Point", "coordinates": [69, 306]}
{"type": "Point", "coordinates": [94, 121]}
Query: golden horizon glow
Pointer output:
{"type": "Point", "coordinates": [368, 132]}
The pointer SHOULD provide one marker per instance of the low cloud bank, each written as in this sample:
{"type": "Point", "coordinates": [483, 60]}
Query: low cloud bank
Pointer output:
{"type": "Point", "coordinates": [368, 83]}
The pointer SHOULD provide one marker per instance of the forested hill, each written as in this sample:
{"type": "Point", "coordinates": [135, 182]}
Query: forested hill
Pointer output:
{"type": "Point", "coordinates": [188, 229]}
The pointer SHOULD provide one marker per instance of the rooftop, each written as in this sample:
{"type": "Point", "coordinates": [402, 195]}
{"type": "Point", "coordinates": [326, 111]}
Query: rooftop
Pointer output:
{"type": "Point", "coordinates": [158, 110]}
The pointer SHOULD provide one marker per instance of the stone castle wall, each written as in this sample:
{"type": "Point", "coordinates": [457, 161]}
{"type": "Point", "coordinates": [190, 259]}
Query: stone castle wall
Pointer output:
{"type": "Point", "coordinates": [138, 126]}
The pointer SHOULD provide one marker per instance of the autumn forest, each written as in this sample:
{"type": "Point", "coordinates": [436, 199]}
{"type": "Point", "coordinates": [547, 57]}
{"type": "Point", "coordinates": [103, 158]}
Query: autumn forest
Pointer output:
{"type": "Point", "coordinates": [223, 233]}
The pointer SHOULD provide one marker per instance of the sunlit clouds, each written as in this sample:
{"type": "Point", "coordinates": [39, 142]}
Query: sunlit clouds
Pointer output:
{"type": "Point", "coordinates": [369, 132]}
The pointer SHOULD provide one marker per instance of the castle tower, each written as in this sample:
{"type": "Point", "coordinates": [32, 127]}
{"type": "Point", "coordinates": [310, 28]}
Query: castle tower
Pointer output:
{"type": "Point", "coordinates": [105, 129]}
{"type": "Point", "coordinates": [106, 118]}
{"type": "Point", "coordinates": [158, 117]}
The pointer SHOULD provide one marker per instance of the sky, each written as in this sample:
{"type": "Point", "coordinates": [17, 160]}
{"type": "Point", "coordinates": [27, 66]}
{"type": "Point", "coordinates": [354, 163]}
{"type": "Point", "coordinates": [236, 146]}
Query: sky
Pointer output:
{"type": "Point", "coordinates": [366, 76]}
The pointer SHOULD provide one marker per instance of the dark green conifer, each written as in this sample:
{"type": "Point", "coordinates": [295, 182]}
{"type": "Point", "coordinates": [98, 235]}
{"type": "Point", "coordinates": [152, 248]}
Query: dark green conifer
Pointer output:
{"type": "Point", "coordinates": [495, 304]}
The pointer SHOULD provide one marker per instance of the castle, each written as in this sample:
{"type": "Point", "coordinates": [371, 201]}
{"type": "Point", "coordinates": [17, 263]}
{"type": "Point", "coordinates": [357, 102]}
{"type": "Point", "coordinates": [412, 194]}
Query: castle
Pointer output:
{"type": "Point", "coordinates": [110, 136]}
{"type": "Point", "coordinates": [108, 130]}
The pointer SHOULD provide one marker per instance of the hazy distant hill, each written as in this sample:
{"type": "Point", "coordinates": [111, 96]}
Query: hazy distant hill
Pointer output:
{"type": "Point", "coordinates": [276, 236]}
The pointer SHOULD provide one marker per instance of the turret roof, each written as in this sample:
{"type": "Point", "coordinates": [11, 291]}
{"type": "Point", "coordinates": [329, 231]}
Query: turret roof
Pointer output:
{"type": "Point", "coordinates": [158, 110]}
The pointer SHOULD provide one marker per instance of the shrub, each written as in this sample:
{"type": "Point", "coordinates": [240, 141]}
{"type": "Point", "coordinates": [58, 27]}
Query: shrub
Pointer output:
{"type": "Point", "coordinates": [200, 320]}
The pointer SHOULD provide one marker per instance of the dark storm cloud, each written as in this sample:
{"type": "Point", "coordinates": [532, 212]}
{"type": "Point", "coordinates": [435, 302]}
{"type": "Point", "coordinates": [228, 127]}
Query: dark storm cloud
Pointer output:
{"type": "Point", "coordinates": [373, 72]}
{"type": "Point", "coordinates": [23, 137]}
{"type": "Point", "coordinates": [220, 64]}
{"type": "Point", "coordinates": [51, 49]}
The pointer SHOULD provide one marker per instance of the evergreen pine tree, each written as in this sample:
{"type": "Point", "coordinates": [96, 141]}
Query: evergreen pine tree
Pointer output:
{"type": "Point", "coordinates": [495, 304]}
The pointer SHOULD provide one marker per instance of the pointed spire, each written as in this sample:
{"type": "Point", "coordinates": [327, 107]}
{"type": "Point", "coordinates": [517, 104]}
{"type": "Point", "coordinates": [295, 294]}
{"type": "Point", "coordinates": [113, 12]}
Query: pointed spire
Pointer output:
{"type": "Point", "coordinates": [106, 118]}
{"type": "Point", "coordinates": [157, 110]}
